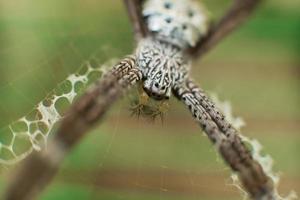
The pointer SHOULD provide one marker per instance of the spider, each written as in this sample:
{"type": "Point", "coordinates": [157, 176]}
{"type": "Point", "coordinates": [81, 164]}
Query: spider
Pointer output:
{"type": "Point", "coordinates": [169, 33]}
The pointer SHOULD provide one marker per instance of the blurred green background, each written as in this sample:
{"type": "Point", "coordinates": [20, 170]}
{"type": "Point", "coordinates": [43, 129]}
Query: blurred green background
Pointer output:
{"type": "Point", "coordinates": [257, 68]}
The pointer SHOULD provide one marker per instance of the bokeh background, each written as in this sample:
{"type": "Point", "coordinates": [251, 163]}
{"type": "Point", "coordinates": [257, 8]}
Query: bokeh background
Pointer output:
{"type": "Point", "coordinates": [257, 68]}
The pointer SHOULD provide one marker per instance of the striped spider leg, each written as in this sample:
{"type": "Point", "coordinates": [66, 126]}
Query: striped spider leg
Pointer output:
{"type": "Point", "coordinates": [91, 107]}
{"type": "Point", "coordinates": [40, 167]}
{"type": "Point", "coordinates": [226, 140]}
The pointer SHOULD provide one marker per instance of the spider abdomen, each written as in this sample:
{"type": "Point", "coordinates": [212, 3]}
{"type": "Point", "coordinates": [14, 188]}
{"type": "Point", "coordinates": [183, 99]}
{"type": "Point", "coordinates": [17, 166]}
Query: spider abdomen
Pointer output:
{"type": "Point", "coordinates": [179, 22]}
{"type": "Point", "coordinates": [162, 65]}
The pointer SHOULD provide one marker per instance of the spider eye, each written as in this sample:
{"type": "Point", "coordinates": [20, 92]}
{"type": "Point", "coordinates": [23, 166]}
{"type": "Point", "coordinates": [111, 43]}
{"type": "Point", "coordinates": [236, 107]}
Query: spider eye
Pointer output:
{"type": "Point", "coordinates": [184, 26]}
{"type": "Point", "coordinates": [191, 14]}
{"type": "Point", "coordinates": [167, 5]}
{"type": "Point", "coordinates": [168, 20]}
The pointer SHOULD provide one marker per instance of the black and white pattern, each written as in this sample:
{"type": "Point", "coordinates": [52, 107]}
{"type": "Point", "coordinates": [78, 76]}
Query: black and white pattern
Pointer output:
{"type": "Point", "coordinates": [175, 26]}
{"type": "Point", "coordinates": [179, 22]}
{"type": "Point", "coordinates": [162, 65]}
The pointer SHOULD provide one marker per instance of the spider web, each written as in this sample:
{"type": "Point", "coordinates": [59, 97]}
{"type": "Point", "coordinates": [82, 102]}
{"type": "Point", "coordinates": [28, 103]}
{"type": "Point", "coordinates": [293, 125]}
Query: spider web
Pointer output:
{"type": "Point", "coordinates": [34, 128]}
{"type": "Point", "coordinates": [162, 163]}
{"type": "Point", "coordinates": [41, 67]}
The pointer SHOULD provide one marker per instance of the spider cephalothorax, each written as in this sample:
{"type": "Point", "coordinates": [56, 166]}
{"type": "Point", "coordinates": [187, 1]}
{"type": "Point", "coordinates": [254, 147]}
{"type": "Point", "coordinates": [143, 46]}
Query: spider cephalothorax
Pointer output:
{"type": "Point", "coordinates": [162, 66]}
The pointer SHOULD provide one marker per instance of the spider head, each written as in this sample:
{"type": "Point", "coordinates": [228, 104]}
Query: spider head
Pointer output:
{"type": "Point", "coordinates": [158, 85]}
{"type": "Point", "coordinates": [179, 22]}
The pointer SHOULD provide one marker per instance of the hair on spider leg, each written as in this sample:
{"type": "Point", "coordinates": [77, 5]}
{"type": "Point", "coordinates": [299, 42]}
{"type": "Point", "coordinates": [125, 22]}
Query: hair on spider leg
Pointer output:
{"type": "Point", "coordinates": [151, 111]}
{"type": "Point", "coordinates": [137, 109]}
{"type": "Point", "coordinates": [154, 110]}
{"type": "Point", "coordinates": [141, 105]}
{"type": "Point", "coordinates": [158, 114]}
{"type": "Point", "coordinates": [138, 101]}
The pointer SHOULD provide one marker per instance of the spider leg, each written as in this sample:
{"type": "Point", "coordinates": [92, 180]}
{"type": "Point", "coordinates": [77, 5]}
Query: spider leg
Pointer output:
{"type": "Point", "coordinates": [239, 11]}
{"type": "Point", "coordinates": [160, 111]}
{"type": "Point", "coordinates": [227, 141]}
{"type": "Point", "coordinates": [138, 106]}
{"type": "Point", "coordinates": [39, 168]}
{"type": "Point", "coordinates": [209, 106]}
{"type": "Point", "coordinates": [134, 9]}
